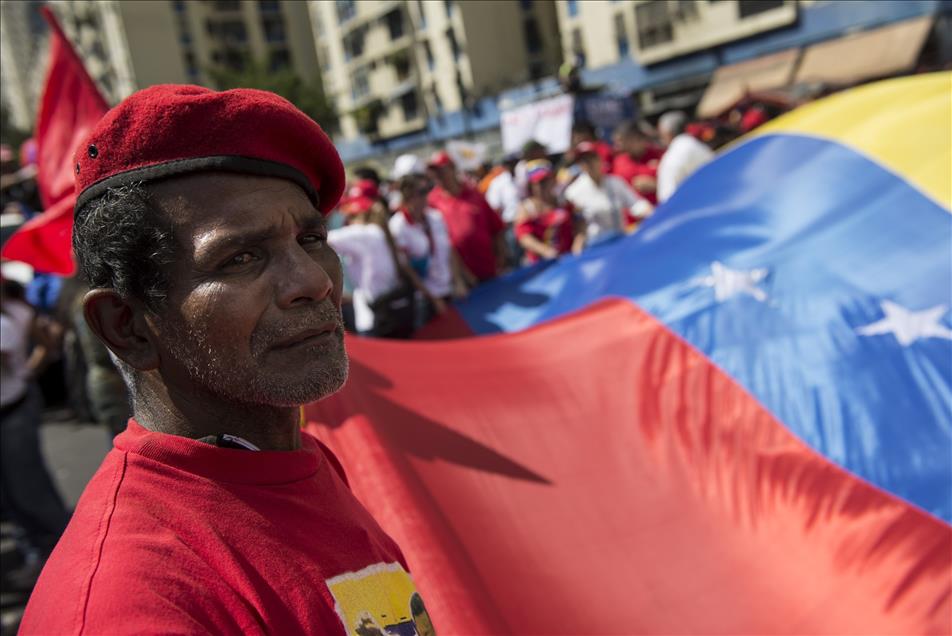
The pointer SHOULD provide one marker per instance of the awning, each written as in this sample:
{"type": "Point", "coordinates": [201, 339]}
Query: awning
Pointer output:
{"type": "Point", "coordinates": [731, 83]}
{"type": "Point", "coordinates": [863, 56]}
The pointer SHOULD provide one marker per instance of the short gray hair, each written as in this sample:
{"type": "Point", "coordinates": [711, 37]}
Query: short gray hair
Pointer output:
{"type": "Point", "coordinates": [673, 122]}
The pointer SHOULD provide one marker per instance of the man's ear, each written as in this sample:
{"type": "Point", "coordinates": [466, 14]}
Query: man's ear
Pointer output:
{"type": "Point", "coordinates": [122, 327]}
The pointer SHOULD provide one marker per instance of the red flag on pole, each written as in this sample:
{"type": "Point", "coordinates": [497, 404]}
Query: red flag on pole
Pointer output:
{"type": "Point", "coordinates": [71, 105]}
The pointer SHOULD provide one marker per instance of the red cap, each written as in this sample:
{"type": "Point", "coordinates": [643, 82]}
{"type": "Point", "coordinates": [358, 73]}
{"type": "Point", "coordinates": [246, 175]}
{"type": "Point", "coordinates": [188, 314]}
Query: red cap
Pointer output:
{"type": "Point", "coordinates": [169, 130]}
{"type": "Point", "coordinates": [440, 158]}
{"type": "Point", "coordinates": [360, 197]}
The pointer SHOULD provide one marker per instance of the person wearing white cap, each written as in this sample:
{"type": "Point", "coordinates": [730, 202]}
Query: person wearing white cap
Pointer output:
{"type": "Point", "coordinates": [404, 165]}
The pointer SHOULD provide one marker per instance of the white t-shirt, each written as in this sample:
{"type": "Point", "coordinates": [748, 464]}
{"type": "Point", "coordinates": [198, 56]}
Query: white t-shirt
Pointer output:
{"type": "Point", "coordinates": [370, 267]}
{"type": "Point", "coordinates": [503, 196]}
{"type": "Point", "coordinates": [602, 206]}
{"type": "Point", "coordinates": [412, 239]}
{"type": "Point", "coordinates": [684, 155]}
{"type": "Point", "coordinates": [15, 320]}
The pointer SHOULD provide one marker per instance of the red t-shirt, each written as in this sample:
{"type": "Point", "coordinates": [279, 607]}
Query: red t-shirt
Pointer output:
{"type": "Point", "coordinates": [177, 536]}
{"type": "Point", "coordinates": [472, 226]}
{"type": "Point", "coordinates": [554, 228]}
{"type": "Point", "coordinates": [647, 165]}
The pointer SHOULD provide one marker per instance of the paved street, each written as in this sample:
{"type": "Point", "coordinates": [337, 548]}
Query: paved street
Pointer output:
{"type": "Point", "coordinates": [73, 451]}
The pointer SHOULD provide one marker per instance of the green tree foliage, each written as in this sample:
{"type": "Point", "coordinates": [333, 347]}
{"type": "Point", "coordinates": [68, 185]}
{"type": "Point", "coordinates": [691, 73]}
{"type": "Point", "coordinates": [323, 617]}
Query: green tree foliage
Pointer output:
{"type": "Point", "coordinates": [308, 96]}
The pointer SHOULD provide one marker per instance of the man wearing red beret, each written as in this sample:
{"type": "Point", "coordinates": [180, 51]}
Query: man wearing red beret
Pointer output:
{"type": "Point", "coordinates": [199, 228]}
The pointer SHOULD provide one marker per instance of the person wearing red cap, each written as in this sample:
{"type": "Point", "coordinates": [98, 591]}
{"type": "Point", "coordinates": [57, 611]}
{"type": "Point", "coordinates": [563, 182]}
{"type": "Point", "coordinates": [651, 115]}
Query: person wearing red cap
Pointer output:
{"type": "Point", "coordinates": [475, 229]}
{"type": "Point", "coordinates": [544, 229]}
{"type": "Point", "coordinates": [374, 264]}
{"type": "Point", "coordinates": [199, 229]}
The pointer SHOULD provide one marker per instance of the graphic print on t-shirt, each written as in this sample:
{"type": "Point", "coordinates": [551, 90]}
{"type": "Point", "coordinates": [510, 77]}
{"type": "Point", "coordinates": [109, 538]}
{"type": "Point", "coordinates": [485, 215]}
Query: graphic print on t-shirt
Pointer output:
{"type": "Point", "coordinates": [380, 600]}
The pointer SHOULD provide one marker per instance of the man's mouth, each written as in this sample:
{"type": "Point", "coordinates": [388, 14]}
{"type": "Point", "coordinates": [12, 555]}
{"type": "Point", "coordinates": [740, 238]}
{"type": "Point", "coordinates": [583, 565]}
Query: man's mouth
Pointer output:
{"type": "Point", "coordinates": [309, 337]}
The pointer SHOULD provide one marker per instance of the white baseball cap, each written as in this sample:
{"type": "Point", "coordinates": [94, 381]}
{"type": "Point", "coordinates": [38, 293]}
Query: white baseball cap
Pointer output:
{"type": "Point", "coordinates": [407, 164]}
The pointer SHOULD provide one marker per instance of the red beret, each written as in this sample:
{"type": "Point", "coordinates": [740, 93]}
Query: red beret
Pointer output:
{"type": "Point", "coordinates": [360, 197]}
{"type": "Point", "coordinates": [169, 130]}
{"type": "Point", "coordinates": [440, 158]}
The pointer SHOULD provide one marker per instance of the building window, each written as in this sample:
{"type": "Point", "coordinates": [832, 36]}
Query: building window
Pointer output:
{"type": "Point", "coordinates": [422, 13]}
{"type": "Point", "coordinates": [232, 31]}
{"type": "Point", "coordinates": [234, 60]}
{"type": "Point", "coordinates": [578, 49]}
{"type": "Point", "coordinates": [185, 39]}
{"type": "Point", "coordinates": [428, 52]}
{"type": "Point", "coordinates": [747, 8]}
{"type": "Point", "coordinates": [269, 6]}
{"type": "Point", "coordinates": [354, 45]}
{"type": "Point", "coordinates": [572, 6]}
{"type": "Point", "coordinates": [394, 21]}
{"type": "Point", "coordinates": [454, 45]}
{"type": "Point", "coordinates": [526, 5]}
{"type": "Point", "coordinates": [653, 23]}
{"type": "Point", "coordinates": [346, 9]}
{"type": "Point", "coordinates": [533, 40]}
{"type": "Point", "coordinates": [410, 106]}
{"type": "Point", "coordinates": [401, 66]}
{"type": "Point", "coordinates": [280, 59]}
{"type": "Point", "coordinates": [448, 5]}
{"type": "Point", "coordinates": [360, 85]}
{"type": "Point", "coordinates": [178, 6]}
{"type": "Point", "coordinates": [686, 9]}
{"type": "Point", "coordinates": [227, 5]}
{"type": "Point", "coordinates": [621, 36]}
{"type": "Point", "coordinates": [536, 71]}
{"type": "Point", "coordinates": [273, 29]}
{"type": "Point", "coordinates": [190, 66]}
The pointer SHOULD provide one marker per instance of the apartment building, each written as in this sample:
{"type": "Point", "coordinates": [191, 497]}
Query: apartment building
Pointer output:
{"type": "Point", "coordinates": [127, 45]}
{"type": "Point", "coordinates": [679, 53]}
{"type": "Point", "coordinates": [652, 31]}
{"type": "Point", "coordinates": [22, 50]}
{"type": "Point", "coordinates": [391, 65]}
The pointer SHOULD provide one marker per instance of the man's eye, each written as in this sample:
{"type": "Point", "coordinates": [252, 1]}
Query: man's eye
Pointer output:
{"type": "Point", "coordinates": [241, 259]}
{"type": "Point", "coordinates": [312, 238]}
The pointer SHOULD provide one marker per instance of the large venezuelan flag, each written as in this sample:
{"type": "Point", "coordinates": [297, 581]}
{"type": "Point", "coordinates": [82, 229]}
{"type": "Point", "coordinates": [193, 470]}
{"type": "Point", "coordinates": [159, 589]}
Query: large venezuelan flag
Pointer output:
{"type": "Point", "coordinates": [735, 421]}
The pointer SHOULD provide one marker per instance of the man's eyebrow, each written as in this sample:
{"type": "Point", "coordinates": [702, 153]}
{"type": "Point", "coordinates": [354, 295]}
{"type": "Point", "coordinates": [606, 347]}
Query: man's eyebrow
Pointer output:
{"type": "Point", "coordinates": [214, 243]}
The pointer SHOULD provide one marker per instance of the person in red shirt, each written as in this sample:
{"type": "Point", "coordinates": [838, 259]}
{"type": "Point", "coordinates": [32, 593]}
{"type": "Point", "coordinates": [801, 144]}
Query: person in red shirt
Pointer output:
{"type": "Point", "coordinates": [636, 160]}
{"type": "Point", "coordinates": [476, 231]}
{"type": "Point", "coordinates": [218, 297]}
{"type": "Point", "coordinates": [544, 229]}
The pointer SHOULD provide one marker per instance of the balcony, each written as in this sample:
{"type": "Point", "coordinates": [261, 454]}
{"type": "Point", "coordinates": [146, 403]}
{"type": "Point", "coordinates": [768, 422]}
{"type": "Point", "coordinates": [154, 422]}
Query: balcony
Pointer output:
{"type": "Point", "coordinates": [362, 14]}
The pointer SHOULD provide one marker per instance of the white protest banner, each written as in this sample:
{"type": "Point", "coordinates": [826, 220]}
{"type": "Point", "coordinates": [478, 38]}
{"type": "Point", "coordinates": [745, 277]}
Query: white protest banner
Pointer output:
{"type": "Point", "coordinates": [466, 155]}
{"type": "Point", "coordinates": [548, 121]}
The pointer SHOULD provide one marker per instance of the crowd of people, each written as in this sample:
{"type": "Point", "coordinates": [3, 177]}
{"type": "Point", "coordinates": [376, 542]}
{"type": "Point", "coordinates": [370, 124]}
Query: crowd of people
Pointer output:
{"type": "Point", "coordinates": [421, 237]}
{"type": "Point", "coordinates": [412, 242]}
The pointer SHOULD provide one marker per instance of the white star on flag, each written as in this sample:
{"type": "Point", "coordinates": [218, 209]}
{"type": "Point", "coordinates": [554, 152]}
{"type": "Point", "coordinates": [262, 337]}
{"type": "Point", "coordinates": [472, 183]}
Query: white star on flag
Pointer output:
{"type": "Point", "coordinates": [907, 325]}
{"type": "Point", "coordinates": [729, 282]}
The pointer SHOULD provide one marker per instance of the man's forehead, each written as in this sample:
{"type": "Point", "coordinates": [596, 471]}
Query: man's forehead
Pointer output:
{"type": "Point", "coordinates": [216, 198]}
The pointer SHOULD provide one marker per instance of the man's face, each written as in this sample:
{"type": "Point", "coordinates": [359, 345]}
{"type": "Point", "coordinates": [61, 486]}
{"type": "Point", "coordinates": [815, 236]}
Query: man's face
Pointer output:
{"type": "Point", "coordinates": [632, 145]}
{"type": "Point", "coordinates": [592, 165]}
{"type": "Point", "coordinates": [253, 309]}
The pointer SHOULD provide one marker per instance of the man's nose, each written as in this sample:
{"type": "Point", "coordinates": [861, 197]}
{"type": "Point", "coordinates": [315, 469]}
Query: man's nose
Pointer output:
{"type": "Point", "coordinates": [304, 280]}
